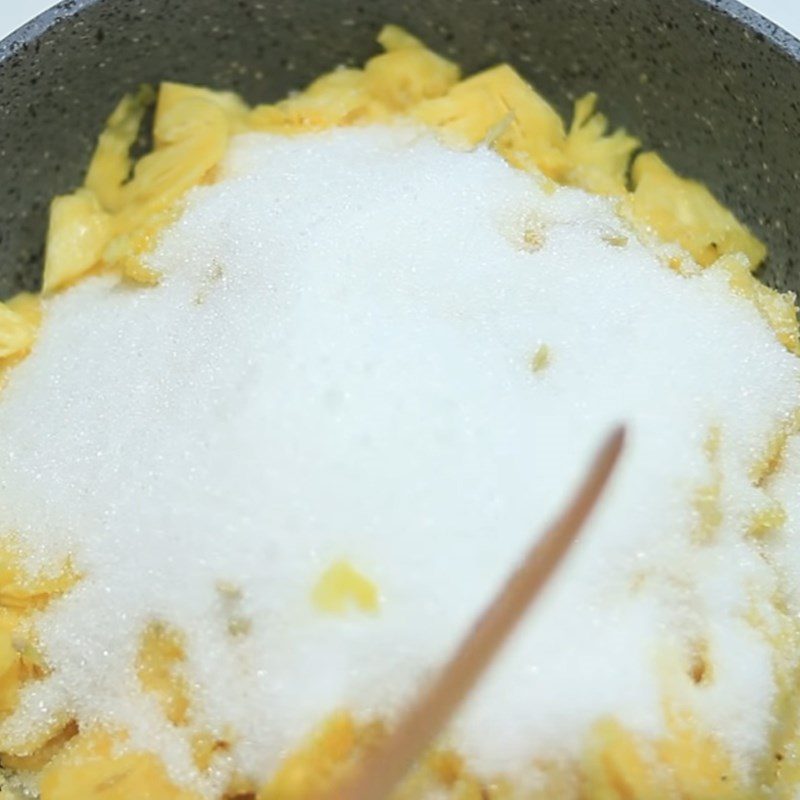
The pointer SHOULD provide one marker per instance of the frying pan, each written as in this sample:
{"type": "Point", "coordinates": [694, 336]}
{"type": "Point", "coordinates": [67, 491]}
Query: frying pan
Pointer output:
{"type": "Point", "coordinates": [711, 85]}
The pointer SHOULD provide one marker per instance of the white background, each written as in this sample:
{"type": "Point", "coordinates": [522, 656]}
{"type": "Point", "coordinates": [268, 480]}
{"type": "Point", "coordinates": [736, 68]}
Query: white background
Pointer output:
{"type": "Point", "coordinates": [14, 13]}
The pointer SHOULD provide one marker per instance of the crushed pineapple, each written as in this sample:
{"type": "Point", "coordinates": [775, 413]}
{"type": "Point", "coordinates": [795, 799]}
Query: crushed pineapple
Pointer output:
{"type": "Point", "coordinates": [112, 222]}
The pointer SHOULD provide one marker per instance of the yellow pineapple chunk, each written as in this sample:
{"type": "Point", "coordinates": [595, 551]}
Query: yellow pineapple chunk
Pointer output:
{"type": "Point", "coordinates": [19, 661]}
{"type": "Point", "coordinates": [28, 306]}
{"type": "Point", "coordinates": [133, 269]}
{"type": "Point", "coordinates": [778, 309]}
{"type": "Point", "coordinates": [125, 253]}
{"type": "Point", "coordinates": [390, 83]}
{"type": "Point", "coordinates": [17, 330]}
{"type": "Point", "coordinates": [204, 749]}
{"type": "Point", "coordinates": [11, 671]}
{"type": "Point", "coordinates": [407, 72]}
{"type": "Point", "coordinates": [35, 743]}
{"type": "Point", "coordinates": [340, 97]}
{"type": "Point", "coordinates": [393, 37]}
{"type": "Point", "coordinates": [771, 459]}
{"type": "Point", "coordinates": [478, 107]}
{"type": "Point", "coordinates": [541, 358]}
{"type": "Point", "coordinates": [20, 318]}
{"type": "Point", "coordinates": [194, 135]}
{"type": "Point", "coordinates": [706, 504]}
{"type": "Point", "coordinates": [767, 519]}
{"type": "Point", "coordinates": [22, 594]}
{"type": "Point", "coordinates": [598, 162]}
{"type": "Point", "coordinates": [171, 95]}
{"type": "Point", "coordinates": [91, 767]}
{"type": "Point", "coordinates": [706, 499]}
{"type": "Point", "coordinates": [684, 211]}
{"type": "Point", "coordinates": [697, 763]}
{"type": "Point", "coordinates": [618, 767]}
{"type": "Point", "coordinates": [341, 587]}
{"type": "Point", "coordinates": [111, 163]}
{"type": "Point", "coordinates": [23, 591]}
{"type": "Point", "coordinates": [159, 667]}
{"type": "Point", "coordinates": [79, 231]}
{"type": "Point", "coordinates": [42, 755]}
{"type": "Point", "coordinates": [324, 760]}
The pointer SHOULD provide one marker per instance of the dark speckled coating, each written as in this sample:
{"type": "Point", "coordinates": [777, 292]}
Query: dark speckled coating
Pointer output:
{"type": "Point", "coordinates": [714, 87]}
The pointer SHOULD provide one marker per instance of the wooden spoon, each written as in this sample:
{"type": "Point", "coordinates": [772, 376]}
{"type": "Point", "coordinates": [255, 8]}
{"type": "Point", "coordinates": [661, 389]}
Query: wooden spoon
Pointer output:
{"type": "Point", "coordinates": [426, 718]}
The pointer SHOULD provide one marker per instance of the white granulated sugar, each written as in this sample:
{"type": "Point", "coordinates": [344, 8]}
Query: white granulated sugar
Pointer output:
{"type": "Point", "coordinates": [337, 365]}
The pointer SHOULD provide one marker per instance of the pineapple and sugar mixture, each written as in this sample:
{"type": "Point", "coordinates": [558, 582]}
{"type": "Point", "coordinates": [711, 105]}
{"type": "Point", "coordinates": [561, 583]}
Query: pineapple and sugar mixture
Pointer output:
{"type": "Point", "coordinates": [297, 394]}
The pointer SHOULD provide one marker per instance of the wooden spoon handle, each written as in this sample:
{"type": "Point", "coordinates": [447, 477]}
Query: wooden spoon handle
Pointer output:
{"type": "Point", "coordinates": [427, 717]}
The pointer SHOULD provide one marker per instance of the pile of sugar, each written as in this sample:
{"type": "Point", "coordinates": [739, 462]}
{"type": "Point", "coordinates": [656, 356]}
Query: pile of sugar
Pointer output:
{"type": "Point", "coordinates": [338, 365]}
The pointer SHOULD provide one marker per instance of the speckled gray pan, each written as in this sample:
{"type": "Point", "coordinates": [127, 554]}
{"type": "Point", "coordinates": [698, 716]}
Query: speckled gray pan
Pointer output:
{"type": "Point", "coordinates": [713, 86]}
